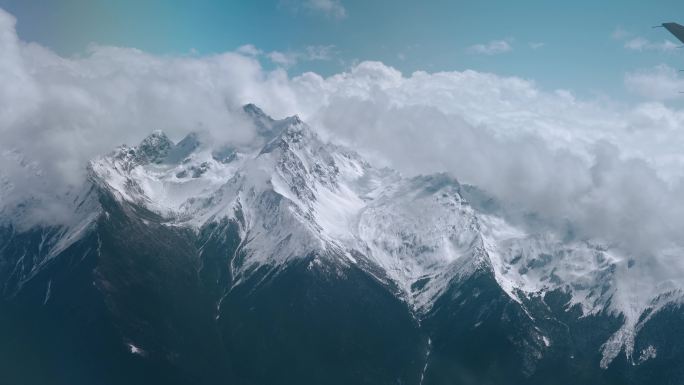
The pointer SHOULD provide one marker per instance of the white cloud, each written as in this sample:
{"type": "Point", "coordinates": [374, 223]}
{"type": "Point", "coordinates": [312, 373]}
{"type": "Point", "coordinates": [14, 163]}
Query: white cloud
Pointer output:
{"type": "Point", "coordinates": [591, 169]}
{"type": "Point", "coordinates": [290, 58]}
{"type": "Point", "coordinates": [318, 52]}
{"type": "Point", "coordinates": [494, 47]}
{"type": "Point", "coordinates": [249, 50]}
{"type": "Point", "coordinates": [595, 169]}
{"type": "Point", "coordinates": [333, 9]}
{"type": "Point", "coordinates": [639, 43]}
{"type": "Point", "coordinates": [281, 58]}
{"type": "Point", "coordinates": [620, 33]}
{"type": "Point", "coordinates": [642, 44]}
{"type": "Point", "coordinates": [536, 45]}
{"type": "Point", "coordinates": [330, 8]}
{"type": "Point", "coordinates": [658, 83]}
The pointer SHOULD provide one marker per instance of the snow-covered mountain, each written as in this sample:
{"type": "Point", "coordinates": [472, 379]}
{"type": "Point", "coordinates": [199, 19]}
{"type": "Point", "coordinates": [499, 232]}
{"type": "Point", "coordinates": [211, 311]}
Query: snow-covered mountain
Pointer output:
{"type": "Point", "coordinates": [245, 218]}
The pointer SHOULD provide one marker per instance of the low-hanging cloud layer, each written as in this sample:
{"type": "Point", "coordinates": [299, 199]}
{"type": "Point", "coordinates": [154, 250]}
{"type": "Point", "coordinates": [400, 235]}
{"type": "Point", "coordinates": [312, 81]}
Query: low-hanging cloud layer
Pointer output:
{"type": "Point", "coordinates": [595, 169]}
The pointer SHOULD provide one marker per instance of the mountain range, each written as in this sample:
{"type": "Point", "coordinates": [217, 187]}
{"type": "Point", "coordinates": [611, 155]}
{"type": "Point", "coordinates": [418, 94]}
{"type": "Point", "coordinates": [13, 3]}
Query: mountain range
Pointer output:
{"type": "Point", "coordinates": [292, 260]}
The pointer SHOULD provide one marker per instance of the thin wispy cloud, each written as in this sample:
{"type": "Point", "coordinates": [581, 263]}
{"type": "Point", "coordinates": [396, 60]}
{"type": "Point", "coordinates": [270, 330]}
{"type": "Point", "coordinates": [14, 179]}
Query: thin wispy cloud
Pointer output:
{"type": "Point", "coordinates": [333, 9]}
{"type": "Point", "coordinates": [493, 47]}
{"type": "Point", "coordinates": [249, 50]}
{"type": "Point", "coordinates": [282, 58]}
{"type": "Point", "coordinates": [318, 52]}
{"type": "Point", "coordinates": [536, 45]}
{"type": "Point", "coordinates": [290, 58]}
{"type": "Point", "coordinates": [620, 33]}
{"type": "Point", "coordinates": [330, 8]}
{"type": "Point", "coordinates": [642, 44]}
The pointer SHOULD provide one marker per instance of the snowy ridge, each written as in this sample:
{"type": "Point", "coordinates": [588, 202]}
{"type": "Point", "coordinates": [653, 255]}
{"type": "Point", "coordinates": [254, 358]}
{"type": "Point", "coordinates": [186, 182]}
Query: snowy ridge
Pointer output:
{"type": "Point", "coordinates": [597, 278]}
{"type": "Point", "coordinates": [54, 238]}
{"type": "Point", "coordinates": [294, 195]}
{"type": "Point", "coordinates": [417, 230]}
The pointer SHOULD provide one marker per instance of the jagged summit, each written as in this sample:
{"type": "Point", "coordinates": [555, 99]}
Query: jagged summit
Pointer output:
{"type": "Point", "coordinates": [266, 127]}
{"type": "Point", "coordinates": [155, 147]}
{"type": "Point", "coordinates": [184, 148]}
{"type": "Point", "coordinates": [256, 112]}
{"type": "Point", "coordinates": [292, 132]}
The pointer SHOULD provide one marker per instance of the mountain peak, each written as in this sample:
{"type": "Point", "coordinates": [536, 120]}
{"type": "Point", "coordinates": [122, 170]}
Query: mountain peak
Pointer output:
{"type": "Point", "coordinates": [254, 111]}
{"type": "Point", "coordinates": [154, 147]}
{"type": "Point", "coordinates": [290, 131]}
{"type": "Point", "coordinates": [266, 126]}
{"type": "Point", "coordinates": [184, 148]}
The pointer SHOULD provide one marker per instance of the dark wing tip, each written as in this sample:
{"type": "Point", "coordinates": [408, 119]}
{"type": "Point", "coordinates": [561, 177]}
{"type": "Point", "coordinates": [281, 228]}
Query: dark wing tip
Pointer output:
{"type": "Point", "coordinates": [676, 29]}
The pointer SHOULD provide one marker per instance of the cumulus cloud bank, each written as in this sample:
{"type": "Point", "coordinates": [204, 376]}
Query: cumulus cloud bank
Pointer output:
{"type": "Point", "coordinates": [589, 169]}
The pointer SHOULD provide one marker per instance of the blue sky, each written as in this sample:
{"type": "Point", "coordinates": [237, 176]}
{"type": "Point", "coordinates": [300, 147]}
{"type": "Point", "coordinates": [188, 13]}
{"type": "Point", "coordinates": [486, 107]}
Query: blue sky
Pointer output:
{"type": "Point", "coordinates": [585, 46]}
